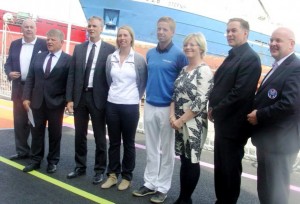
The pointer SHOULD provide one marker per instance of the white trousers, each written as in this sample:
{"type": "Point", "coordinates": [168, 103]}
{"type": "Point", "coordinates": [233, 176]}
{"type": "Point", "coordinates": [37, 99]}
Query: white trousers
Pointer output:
{"type": "Point", "coordinates": [160, 141]}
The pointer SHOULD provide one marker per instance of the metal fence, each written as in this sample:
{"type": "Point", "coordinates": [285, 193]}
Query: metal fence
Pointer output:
{"type": "Point", "coordinates": [5, 84]}
{"type": "Point", "coordinates": [250, 150]}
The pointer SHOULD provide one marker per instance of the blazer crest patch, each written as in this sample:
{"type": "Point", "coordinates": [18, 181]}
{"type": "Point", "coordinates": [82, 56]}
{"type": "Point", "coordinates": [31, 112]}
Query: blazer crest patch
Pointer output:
{"type": "Point", "coordinates": [272, 93]}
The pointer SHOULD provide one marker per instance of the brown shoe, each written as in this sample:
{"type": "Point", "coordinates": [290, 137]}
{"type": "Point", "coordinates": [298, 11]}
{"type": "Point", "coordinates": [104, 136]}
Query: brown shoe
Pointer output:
{"type": "Point", "coordinates": [124, 185]}
{"type": "Point", "coordinates": [111, 181]}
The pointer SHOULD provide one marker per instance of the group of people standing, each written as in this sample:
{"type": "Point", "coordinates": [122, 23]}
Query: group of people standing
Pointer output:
{"type": "Point", "coordinates": [105, 85]}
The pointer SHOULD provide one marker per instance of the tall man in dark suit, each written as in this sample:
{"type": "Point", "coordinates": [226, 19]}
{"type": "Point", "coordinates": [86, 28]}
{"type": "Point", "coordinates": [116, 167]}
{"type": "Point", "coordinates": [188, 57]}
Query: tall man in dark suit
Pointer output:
{"type": "Point", "coordinates": [87, 92]}
{"type": "Point", "coordinates": [21, 53]}
{"type": "Point", "coordinates": [230, 101]}
{"type": "Point", "coordinates": [276, 120]}
{"type": "Point", "coordinates": [44, 93]}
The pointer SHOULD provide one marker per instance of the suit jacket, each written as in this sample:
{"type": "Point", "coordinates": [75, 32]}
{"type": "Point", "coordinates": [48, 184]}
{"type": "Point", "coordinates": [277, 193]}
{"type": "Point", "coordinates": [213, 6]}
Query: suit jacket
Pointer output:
{"type": "Point", "coordinates": [278, 109]}
{"type": "Point", "coordinates": [77, 70]}
{"type": "Point", "coordinates": [13, 63]}
{"type": "Point", "coordinates": [235, 83]}
{"type": "Point", "coordinates": [51, 89]}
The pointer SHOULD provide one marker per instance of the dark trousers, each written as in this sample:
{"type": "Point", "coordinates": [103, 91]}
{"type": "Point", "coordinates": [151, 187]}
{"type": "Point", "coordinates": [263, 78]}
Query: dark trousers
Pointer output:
{"type": "Point", "coordinates": [228, 155]}
{"type": "Point", "coordinates": [273, 176]}
{"type": "Point", "coordinates": [21, 126]}
{"type": "Point", "coordinates": [85, 110]}
{"type": "Point", "coordinates": [122, 121]}
{"type": "Point", "coordinates": [189, 176]}
{"type": "Point", "coordinates": [54, 118]}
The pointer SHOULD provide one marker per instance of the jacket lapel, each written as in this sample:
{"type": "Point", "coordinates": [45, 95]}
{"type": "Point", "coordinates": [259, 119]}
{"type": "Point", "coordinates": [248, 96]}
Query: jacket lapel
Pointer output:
{"type": "Point", "coordinates": [280, 70]}
{"type": "Point", "coordinates": [84, 53]}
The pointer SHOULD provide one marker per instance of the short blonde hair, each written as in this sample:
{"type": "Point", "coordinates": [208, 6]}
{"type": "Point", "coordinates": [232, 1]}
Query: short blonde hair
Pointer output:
{"type": "Point", "coordinates": [200, 39]}
{"type": "Point", "coordinates": [168, 20]}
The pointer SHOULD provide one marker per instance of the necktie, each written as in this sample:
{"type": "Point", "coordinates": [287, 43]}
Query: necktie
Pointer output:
{"type": "Point", "coordinates": [274, 67]}
{"type": "Point", "coordinates": [89, 66]}
{"type": "Point", "coordinates": [48, 66]}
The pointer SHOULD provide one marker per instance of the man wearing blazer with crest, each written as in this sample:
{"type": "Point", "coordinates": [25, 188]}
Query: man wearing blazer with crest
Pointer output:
{"type": "Point", "coordinates": [87, 92]}
{"type": "Point", "coordinates": [21, 53]}
{"type": "Point", "coordinates": [44, 93]}
{"type": "Point", "coordinates": [276, 120]}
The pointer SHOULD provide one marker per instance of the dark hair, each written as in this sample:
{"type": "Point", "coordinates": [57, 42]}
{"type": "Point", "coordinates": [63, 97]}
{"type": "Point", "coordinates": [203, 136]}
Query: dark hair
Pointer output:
{"type": "Point", "coordinates": [244, 24]}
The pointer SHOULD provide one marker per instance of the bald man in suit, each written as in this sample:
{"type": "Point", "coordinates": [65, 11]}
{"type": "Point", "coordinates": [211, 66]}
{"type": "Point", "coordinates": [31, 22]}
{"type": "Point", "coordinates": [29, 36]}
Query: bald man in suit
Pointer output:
{"type": "Point", "coordinates": [276, 120]}
{"type": "Point", "coordinates": [87, 92]}
{"type": "Point", "coordinates": [21, 53]}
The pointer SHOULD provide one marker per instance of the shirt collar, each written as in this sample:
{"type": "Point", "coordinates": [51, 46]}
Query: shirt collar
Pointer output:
{"type": "Point", "coordinates": [56, 54]}
{"type": "Point", "coordinates": [281, 60]}
{"type": "Point", "coordinates": [98, 44]}
{"type": "Point", "coordinates": [130, 58]}
{"type": "Point", "coordinates": [238, 50]}
{"type": "Point", "coordinates": [30, 43]}
{"type": "Point", "coordinates": [164, 50]}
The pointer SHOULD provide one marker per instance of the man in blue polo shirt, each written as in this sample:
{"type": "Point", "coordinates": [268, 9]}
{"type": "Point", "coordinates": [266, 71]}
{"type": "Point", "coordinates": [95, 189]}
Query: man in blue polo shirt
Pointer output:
{"type": "Point", "coordinates": [164, 64]}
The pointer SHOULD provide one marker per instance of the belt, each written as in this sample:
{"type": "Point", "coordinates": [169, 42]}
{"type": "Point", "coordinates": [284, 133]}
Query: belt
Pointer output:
{"type": "Point", "coordinates": [88, 89]}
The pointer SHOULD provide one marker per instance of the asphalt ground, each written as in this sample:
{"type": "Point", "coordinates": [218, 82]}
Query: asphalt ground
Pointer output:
{"type": "Point", "coordinates": [17, 187]}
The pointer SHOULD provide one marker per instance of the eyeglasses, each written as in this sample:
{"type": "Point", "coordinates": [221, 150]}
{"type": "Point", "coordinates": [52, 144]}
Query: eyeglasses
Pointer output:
{"type": "Point", "coordinates": [190, 44]}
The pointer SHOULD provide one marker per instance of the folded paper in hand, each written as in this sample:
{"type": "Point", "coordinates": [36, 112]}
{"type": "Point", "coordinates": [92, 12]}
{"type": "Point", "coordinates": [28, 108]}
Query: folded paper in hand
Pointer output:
{"type": "Point", "coordinates": [30, 117]}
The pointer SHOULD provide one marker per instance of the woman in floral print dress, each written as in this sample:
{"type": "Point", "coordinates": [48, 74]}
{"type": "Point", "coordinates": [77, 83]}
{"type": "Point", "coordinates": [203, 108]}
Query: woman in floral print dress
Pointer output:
{"type": "Point", "coordinates": [188, 114]}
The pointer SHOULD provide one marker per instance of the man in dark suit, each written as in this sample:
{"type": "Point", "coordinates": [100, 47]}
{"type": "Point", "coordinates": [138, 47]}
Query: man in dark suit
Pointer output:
{"type": "Point", "coordinates": [87, 92]}
{"type": "Point", "coordinates": [230, 101]}
{"type": "Point", "coordinates": [21, 53]}
{"type": "Point", "coordinates": [276, 120]}
{"type": "Point", "coordinates": [44, 93]}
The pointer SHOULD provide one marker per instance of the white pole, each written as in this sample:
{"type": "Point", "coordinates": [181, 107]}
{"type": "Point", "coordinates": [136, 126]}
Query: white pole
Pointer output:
{"type": "Point", "coordinates": [69, 28]}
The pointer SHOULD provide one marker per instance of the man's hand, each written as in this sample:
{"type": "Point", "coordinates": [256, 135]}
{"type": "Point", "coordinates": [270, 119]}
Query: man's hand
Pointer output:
{"type": "Point", "coordinates": [14, 75]}
{"type": "Point", "coordinates": [70, 107]}
{"type": "Point", "coordinates": [26, 104]}
{"type": "Point", "coordinates": [209, 114]}
{"type": "Point", "coordinates": [251, 117]}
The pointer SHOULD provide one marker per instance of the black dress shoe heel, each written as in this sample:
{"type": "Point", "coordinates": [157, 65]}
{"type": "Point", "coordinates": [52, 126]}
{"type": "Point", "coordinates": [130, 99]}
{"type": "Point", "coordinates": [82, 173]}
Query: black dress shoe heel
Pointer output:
{"type": "Point", "coordinates": [77, 172]}
{"type": "Point", "coordinates": [97, 178]}
{"type": "Point", "coordinates": [51, 168]}
{"type": "Point", "coordinates": [18, 156]}
{"type": "Point", "coordinates": [31, 167]}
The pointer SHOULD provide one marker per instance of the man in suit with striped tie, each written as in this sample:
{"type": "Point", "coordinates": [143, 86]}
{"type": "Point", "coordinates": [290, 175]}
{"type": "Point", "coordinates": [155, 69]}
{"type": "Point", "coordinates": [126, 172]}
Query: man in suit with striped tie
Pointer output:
{"type": "Point", "coordinates": [44, 93]}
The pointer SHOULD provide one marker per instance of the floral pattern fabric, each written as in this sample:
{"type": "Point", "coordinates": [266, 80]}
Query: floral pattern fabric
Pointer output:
{"type": "Point", "coordinates": [191, 92]}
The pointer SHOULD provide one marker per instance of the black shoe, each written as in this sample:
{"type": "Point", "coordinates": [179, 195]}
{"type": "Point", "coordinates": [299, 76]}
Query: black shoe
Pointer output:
{"type": "Point", "coordinates": [97, 178]}
{"type": "Point", "coordinates": [31, 167]}
{"type": "Point", "coordinates": [18, 156]}
{"type": "Point", "coordinates": [77, 172]}
{"type": "Point", "coordinates": [51, 168]}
